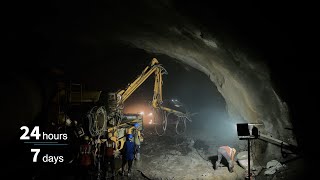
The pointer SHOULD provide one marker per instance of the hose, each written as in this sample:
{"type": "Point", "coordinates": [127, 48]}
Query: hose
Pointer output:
{"type": "Point", "coordinates": [118, 117]}
{"type": "Point", "coordinates": [93, 122]}
{"type": "Point", "coordinates": [164, 122]}
{"type": "Point", "coordinates": [184, 122]}
{"type": "Point", "coordinates": [90, 117]}
{"type": "Point", "coordinates": [93, 125]}
{"type": "Point", "coordinates": [201, 155]}
{"type": "Point", "coordinates": [143, 175]}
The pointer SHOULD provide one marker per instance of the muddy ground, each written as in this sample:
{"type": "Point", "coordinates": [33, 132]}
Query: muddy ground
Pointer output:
{"type": "Point", "coordinates": [191, 156]}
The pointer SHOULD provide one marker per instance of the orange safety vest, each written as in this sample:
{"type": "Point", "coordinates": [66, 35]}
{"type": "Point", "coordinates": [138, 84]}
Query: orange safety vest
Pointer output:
{"type": "Point", "coordinates": [85, 155]}
{"type": "Point", "coordinates": [229, 151]}
{"type": "Point", "coordinates": [109, 147]}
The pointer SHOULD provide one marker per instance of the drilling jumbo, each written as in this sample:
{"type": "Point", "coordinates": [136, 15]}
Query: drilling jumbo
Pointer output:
{"type": "Point", "coordinates": [110, 119]}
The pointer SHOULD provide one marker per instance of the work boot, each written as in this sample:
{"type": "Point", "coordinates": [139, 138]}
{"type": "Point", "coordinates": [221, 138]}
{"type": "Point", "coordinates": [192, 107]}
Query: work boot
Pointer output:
{"type": "Point", "coordinates": [231, 166]}
{"type": "Point", "coordinates": [231, 170]}
{"type": "Point", "coordinates": [217, 165]}
{"type": "Point", "coordinates": [129, 172]}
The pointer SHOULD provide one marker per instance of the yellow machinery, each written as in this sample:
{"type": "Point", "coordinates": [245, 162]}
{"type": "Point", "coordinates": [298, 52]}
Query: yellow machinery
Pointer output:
{"type": "Point", "coordinates": [120, 124]}
{"type": "Point", "coordinates": [112, 119]}
{"type": "Point", "coordinates": [155, 67]}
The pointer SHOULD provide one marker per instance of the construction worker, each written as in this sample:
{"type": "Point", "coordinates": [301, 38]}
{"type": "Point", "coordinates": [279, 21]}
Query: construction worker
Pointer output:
{"type": "Point", "coordinates": [85, 157]}
{"type": "Point", "coordinates": [74, 142]}
{"type": "Point", "coordinates": [109, 151]}
{"type": "Point", "coordinates": [228, 153]}
{"type": "Point", "coordinates": [97, 155]}
{"type": "Point", "coordinates": [128, 153]}
{"type": "Point", "coordinates": [137, 141]}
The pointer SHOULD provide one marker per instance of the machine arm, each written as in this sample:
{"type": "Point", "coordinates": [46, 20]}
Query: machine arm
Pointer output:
{"type": "Point", "coordinates": [156, 68]}
{"type": "Point", "coordinates": [123, 95]}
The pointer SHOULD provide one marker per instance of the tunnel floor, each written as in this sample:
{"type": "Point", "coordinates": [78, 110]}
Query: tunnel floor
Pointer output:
{"type": "Point", "coordinates": [183, 157]}
{"type": "Point", "coordinates": [180, 157]}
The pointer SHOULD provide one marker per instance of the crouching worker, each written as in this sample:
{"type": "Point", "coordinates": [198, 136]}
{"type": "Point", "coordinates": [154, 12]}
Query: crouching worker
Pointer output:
{"type": "Point", "coordinates": [228, 153]}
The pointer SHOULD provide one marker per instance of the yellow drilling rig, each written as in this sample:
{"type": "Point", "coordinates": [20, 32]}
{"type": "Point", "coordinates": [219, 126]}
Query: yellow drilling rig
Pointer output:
{"type": "Point", "coordinates": [110, 119]}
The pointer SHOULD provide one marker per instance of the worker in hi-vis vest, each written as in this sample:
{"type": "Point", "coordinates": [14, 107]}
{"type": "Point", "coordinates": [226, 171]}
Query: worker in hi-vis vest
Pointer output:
{"type": "Point", "coordinates": [109, 152]}
{"type": "Point", "coordinates": [85, 158]}
{"type": "Point", "coordinates": [228, 153]}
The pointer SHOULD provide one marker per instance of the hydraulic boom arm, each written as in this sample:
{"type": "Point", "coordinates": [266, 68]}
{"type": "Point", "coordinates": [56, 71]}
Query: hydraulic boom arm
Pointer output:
{"type": "Point", "coordinates": [156, 68]}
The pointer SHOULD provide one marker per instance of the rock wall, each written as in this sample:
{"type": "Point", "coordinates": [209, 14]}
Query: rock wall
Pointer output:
{"type": "Point", "coordinates": [242, 81]}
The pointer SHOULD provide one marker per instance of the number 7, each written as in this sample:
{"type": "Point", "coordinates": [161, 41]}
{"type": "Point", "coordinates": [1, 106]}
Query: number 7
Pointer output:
{"type": "Point", "coordinates": [35, 154]}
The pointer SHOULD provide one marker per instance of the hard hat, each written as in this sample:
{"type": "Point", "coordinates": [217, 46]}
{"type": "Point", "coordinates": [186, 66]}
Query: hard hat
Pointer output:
{"type": "Point", "coordinates": [130, 136]}
{"type": "Point", "coordinates": [136, 125]}
{"type": "Point", "coordinates": [86, 138]}
{"type": "Point", "coordinates": [68, 121]}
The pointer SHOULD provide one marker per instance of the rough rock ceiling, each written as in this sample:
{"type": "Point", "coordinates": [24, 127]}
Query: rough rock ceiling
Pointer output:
{"type": "Point", "coordinates": [165, 27]}
{"type": "Point", "coordinates": [243, 81]}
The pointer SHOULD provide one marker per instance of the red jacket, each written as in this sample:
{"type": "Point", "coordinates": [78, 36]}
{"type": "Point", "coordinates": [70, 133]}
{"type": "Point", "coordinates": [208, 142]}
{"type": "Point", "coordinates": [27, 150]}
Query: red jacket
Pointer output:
{"type": "Point", "coordinates": [85, 151]}
{"type": "Point", "coordinates": [109, 148]}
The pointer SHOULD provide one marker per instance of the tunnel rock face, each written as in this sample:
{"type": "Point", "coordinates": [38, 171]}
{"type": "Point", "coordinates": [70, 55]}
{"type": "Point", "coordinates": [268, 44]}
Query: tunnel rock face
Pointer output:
{"type": "Point", "coordinates": [245, 86]}
{"type": "Point", "coordinates": [158, 28]}
{"type": "Point", "coordinates": [243, 82]}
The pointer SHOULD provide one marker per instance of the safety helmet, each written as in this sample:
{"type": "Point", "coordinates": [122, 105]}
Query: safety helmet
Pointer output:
{"type": "Point", "coordinates": [130, 136]}
{"type": "Point", "coordinates": [86, 138]}
{"type": "Point", "coordinates": [136, 125]}
{"type": "Point", "coordinates": [68, 122]}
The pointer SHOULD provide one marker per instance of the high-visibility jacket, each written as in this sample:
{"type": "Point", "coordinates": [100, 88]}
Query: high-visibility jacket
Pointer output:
{"type": "Point", "coordinates": [137, 139]}
{"type": "Point", "coordinates": [109, 148]}
{"type": "Point", "coordinates": [230, 151]}
{"type": "Point", "coordinates": [85, 151]}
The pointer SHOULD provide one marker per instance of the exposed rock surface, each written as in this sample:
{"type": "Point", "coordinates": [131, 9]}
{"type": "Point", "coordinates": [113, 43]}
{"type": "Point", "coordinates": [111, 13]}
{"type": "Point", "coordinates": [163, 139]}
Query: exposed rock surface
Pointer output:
{"type": "Point", "coordinates": [244, 82]}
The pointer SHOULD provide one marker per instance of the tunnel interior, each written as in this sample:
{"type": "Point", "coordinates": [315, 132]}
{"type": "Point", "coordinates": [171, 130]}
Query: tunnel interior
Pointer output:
{"type": "Point", "coordinates": [226, 65]}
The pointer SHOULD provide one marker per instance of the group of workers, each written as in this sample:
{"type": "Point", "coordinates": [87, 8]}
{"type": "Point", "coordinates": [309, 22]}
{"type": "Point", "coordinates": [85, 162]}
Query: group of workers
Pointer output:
{"type": "Point", "coordinates": [107, 154]}
{"type": "Point", "coordinates": [102, 153]}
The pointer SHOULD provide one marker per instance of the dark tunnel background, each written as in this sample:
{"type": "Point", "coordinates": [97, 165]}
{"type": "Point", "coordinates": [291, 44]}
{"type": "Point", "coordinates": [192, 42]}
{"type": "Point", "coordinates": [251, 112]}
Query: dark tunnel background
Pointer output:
{"type": "Point", "coordinates": [42, 39]}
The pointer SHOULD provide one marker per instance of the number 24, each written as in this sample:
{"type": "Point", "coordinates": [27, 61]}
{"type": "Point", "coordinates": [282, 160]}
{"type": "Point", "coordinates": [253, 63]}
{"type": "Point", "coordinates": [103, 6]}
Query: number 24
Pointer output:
{"type": "Point", "coordinates": [34, 133]}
